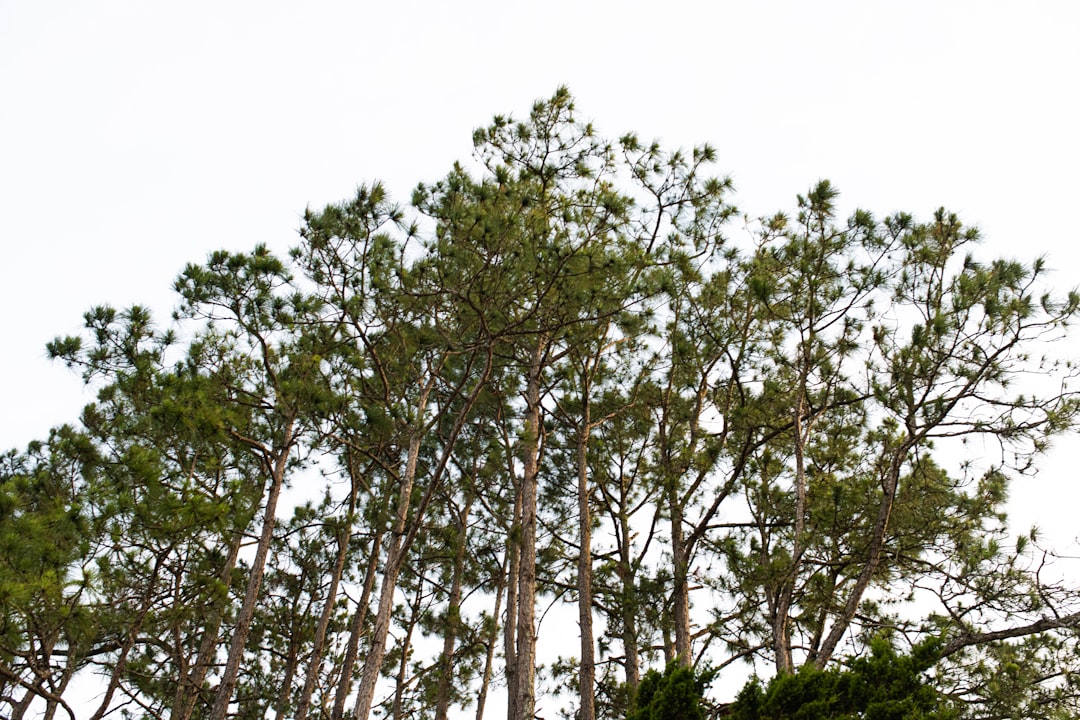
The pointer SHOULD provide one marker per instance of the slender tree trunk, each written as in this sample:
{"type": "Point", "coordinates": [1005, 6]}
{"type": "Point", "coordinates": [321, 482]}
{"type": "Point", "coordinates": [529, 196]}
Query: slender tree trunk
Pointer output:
{"type": "Point", "coordinates": [398, 710]}
{"type": "Point", "coordinates": [251, 596]}
{"type": "Point", "coordinates": [129, 642]}
{"type": "Point", "coordinates": [357, 630]}
{"type": "Point", "coordinates": [61, 687]}
{"type": "Point", "coordinates": [18, 710]}
{"type": "Point", "coordinates": [190, 685]}
{"type": "Point", "coordinates": [680, 592]}
{"type": "Point", "coordinates": [665, 637]}
{"type": "Point", "coordinates": [782, 616]}
{"type": "Point", "coordinates": [369, 676]}
{"type": "Point", "coordinates": [492, 640]}
{"type": "Point", "coordinates": [401, 538]}
{"type": "Point", "coordinates": [525, 702]}
{"type": "Point", "coordinates": [69, 672]}
{"type": "Point", "coordinates": [510, 630]}
{"type": "Point", "coordinates": [453, 617]}
{"type": "Point", "coordinates": [292, 660]}
{"type": "Point", "coordinates": [628, 608]}
{"type": "Point", "coordinates": [587, 668]}
{"type": "Point", "coordinates": [315, 662]}
{"type": "Point", "coordinates": [38, 688]}
{"type": "Point", "coordinates": [873, 555]}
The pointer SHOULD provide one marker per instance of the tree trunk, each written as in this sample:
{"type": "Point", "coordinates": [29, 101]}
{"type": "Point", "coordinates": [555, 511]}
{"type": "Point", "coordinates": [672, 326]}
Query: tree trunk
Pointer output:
{"type": "Point", "coordinates": [189, 686]}
{"type": "Point", "coordinates": [292, 661]}
{"type": "Point", "coordinates": [525, 656]}
{"type": "Point", "coordinates": [129, 642]}
{"type": "Point", "coordinates": [680, 591]}
{"type": "Point", "coordinates": [493, 638]}
{"type": "Point", "coordinates": [258, 567]}
{"type": "Point", "coordinates": [628, 609]}
{"type": "Point", "coordinates": [587, 668]}
{"type": "Point", "coordinates": [453, 617]}
{"type": "Point", "coordinates": [314, 664]}
{"type": "Point", "coordinates": [873, 556]}
{"type": "Point", "coordinates": [369, 676]}
{"type": "Point", "coordinates": [54, 704]}
{"type": "Point", "coordinates": [401, 538]}
{"type": "Point", "coordinates": [781, 619]}
{"type": "Point", "coordinates": [398, 711]}
{"type": "Point", "coordinates": [510, 630]}
{"type": "Point", "coordinates": [356, 630]}
{"type": "Point", "coordinates": [37, 689]}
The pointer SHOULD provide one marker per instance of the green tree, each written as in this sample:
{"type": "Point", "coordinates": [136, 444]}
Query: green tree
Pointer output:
{"type": "Point", "coordinates": [49, 624]}
{"type": "Point", "coordinates": [566, 378]}
{"type": "Point", "coordinates": [166, 491]}
{"type": "Point", "coordinates": [267, 373]}
{"type": "Point", "coordinates": [676, 694]}
{"type": "Point", "coordinates": [880, 686]}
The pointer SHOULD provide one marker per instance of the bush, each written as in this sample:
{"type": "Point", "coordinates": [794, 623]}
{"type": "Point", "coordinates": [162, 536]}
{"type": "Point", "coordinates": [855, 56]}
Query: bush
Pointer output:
{"type": "Point", "coordinates": [674, 695]}
{"type": "Point", "coordinates": [883, 686]}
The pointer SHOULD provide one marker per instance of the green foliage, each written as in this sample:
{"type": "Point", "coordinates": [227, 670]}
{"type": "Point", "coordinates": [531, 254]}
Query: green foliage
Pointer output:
{"type": "Point", "coordinates": [559, 337]}
{"type": "Point", "coordinates": [675, 694]}
{"type": "Point", "coordinates": [881, 686]}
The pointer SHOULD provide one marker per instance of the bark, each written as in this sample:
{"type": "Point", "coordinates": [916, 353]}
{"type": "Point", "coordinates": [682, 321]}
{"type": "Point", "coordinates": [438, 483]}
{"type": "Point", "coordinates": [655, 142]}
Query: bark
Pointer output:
{"type": "Point", "coordinates": [665, 634]}
{"type": "Point", "coordinates": [406, 646]}
{"type": "Point", "coordinates": [37, 689]}
{"type": "Point", "coordinates": [41, 673]}
{"type": "Point", "coordinates": [315, 662]}
{"type": "Point", "coordinates": [356, 630]}
{"type": "Point", "coordinates": [69, 672]}
{"type": "Point", "coordinates": [628, 608]}
{"type": "Point", "coordinates": [525, 656]}
{"type": "Point", "coordinates": [18, 711]}
{"type": "Point", "coordinates": [404, 533]}
{"type": "Point", "coordinates": [61, 687]}
{"type": "Point", "coordinates": [453, 618]}
{"type": "Point", "coordinates": [680, 591]}
{"type": "Point", "coordinates": [489, 661]}
{"type": "Point", "coordinates": [510, 631]}
{"type": "Point", "coordinates": [1039, 626]}
{"type": "Point", "coordinates": [369, 675]}
{"type": "Point", "coordinates": [277, 461]}
{"type": "Point", "coordinates": [873, 557]}
{"type": "Point", "coordinates": [33, 691]}
{"type": "Point", "coordinates": [587, 668]}
{"type": "Point", "coordinates": [190, 686]}
{"type": "Point", "coordinates": [129, 643]}
{"type": "Point", "coordinates": [782, 615]}
{"type": "Point", "coordinates": [292, 660]}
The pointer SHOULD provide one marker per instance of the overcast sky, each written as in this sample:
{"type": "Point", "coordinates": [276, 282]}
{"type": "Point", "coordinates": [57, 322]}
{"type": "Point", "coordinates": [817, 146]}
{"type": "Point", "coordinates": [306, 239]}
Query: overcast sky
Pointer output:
{"type": "Point", "coordinates": [137, 136]}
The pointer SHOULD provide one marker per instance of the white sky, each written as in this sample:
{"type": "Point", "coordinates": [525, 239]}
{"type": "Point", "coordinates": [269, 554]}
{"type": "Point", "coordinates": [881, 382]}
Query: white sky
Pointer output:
{"type": "Point", "coordinates": [138, 136]}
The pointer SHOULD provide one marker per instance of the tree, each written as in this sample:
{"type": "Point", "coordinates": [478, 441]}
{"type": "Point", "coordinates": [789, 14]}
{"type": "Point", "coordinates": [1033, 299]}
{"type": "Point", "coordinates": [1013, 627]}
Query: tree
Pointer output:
{"type": "Point", "coordinates": [166, 493]}
{"type": "Point", "coordinates": [44, 532]}
{"type": "Point", "coordinates": [880, 686]}
{"type": "Point", "coordinates": [675, 694]}
{"type": "Point", "coordinates": [266, 370]}
{"type": "Point", "coordinates": [541, 233]}
{"type": "Point", "coordinates": [558, 375]}
{"type": "Point", "coordinates": [897, 342]}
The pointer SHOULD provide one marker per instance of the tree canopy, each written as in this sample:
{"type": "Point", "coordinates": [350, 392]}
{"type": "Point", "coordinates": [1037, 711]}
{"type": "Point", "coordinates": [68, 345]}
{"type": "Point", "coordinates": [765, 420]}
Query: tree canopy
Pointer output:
{"type": "Point", "coordinates": [349, 478]}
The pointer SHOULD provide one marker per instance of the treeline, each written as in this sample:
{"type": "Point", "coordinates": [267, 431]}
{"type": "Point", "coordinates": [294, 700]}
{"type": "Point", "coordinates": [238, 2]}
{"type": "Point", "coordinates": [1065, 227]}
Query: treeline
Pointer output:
{"type": "Point", "coordinates": [563, 374]}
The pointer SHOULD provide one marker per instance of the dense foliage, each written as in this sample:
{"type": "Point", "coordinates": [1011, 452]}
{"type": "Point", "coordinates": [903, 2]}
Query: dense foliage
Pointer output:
{"type": "Point", "coordinates": [343, 481]}
{"type": "Point", "coordinates": [675, 694]}
{"type": "Point", "coordinates": [881, 686]}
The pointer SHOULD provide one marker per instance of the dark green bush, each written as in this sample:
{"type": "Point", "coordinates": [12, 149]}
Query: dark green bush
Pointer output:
{"type": "Point", "coordinates": [676, 694]}
{"type": "Point", "coordinates": [881, 686]}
